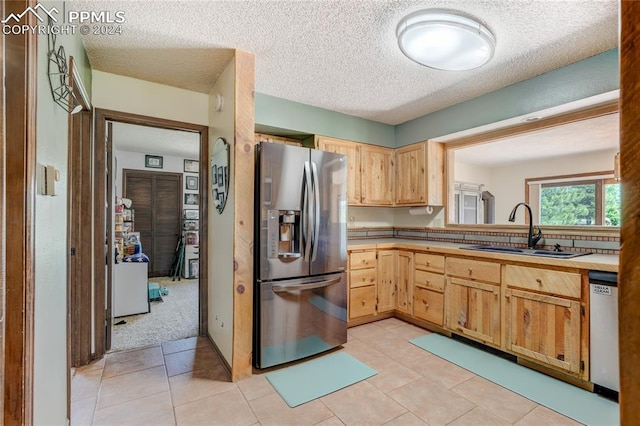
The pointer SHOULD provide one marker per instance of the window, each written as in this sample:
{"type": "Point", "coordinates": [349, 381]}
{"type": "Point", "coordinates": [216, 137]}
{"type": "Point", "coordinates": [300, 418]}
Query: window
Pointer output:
{"type": "Point", "coordinates": [580, 202]}
{"type": "Point", "coordinates": [468, 203]}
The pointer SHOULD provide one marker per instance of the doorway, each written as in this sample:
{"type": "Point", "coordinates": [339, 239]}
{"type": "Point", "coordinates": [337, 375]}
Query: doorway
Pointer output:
{"type": "Point", "coordinates": [151, 159]}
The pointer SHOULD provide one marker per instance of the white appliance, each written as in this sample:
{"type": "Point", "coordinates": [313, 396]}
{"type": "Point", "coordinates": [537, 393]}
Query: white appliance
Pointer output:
{"type": "Point", "coordinates": [130, 289]}
{"type": "Point", "coordinates": [605, 370]}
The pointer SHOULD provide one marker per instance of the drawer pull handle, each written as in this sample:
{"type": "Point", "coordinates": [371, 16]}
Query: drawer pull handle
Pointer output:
{"type": "Point", "coordinates": [470, 271]}
{"type": "Point", "coordinates": [495, 293]}
{"type": "Point", "coordinates": [363, 303]}
{"type": "Point", "coordinates": [506, 296]}
{"type": "Point", "coordinates": [428, 263]}
{"type": "Point", "coordinates": [426, 305]}
{"type": "Point", "coordinates": [539, 281]}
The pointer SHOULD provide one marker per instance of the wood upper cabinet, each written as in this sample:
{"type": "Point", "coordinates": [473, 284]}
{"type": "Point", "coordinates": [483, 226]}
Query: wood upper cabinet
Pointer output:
{"type": "Point", "coordinates": [377, 175]}
{"type": "Point", "coordinates": [473, 309]}
{"type": "Point", "coordinates": [386, 280]}
{"type": "Point", "coordinates": [405, 282]}
{"type": "Point", "coordinates": [352, 151]}
{"type": "Point", "coordinates": [419, 177]}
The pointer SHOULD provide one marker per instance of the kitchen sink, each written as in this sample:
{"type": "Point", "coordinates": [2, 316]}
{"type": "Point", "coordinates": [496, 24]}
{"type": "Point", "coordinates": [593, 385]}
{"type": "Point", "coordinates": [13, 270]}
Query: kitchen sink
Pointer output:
{"type": "Point", "coordinates": [527, 252]}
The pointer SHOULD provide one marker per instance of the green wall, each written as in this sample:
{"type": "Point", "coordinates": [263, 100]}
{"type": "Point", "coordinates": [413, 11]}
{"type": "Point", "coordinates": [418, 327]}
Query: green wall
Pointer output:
{"type": "Point", "coordinates": [592, 76]}
{"type": "Point", "coordinates": [277, 113]}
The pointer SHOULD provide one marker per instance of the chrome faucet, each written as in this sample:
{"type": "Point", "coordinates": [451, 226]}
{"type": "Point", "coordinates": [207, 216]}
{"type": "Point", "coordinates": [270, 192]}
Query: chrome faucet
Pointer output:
{"type": "Point", "coordinates": [532, 239]}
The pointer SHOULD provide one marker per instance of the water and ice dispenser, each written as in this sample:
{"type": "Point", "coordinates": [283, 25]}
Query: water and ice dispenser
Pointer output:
{"type": "Point", "coordinates": [284, 234]}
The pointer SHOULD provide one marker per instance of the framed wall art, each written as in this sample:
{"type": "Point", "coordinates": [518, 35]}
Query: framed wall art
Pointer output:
{"type": "Point", "coordinates": [191, 166]}
{"type": "Point", "coordinates": [153, 161]}
{"type": "Point", "coordinates": [191, 182]}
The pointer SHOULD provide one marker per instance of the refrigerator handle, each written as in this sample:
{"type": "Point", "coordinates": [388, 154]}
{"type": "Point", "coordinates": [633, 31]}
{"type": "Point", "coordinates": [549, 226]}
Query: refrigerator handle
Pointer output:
{"type": "Point", "coordinates": [306, 211]}
{"type": "Point", "coordinates": [309, 286]}
{"type": "Point", "coordinates": [316, 213]}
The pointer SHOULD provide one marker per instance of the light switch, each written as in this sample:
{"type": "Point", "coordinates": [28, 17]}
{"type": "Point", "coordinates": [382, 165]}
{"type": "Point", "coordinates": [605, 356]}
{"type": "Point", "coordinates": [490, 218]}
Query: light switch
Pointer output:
{"type": "Point", "coordinates": [51, 176]}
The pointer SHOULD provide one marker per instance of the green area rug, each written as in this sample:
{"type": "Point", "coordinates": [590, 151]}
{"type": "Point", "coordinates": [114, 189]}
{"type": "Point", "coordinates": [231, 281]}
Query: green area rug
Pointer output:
{"type": "Point", "coordinates": [571, 401]}
{"type": "Point", "coordinates": [312, 379]}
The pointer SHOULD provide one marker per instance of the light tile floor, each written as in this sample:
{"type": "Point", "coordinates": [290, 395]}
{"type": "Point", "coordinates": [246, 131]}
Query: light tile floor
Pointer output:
{"type": "Point", "coordinates": [185, 383]}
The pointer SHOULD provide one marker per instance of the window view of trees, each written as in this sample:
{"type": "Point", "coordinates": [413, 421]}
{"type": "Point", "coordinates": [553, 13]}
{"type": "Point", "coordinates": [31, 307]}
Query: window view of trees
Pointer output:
{"type": "Point", "coordinates": [580, 203]}
{"type": "Point", "coordinates": [568, 205]}
{"type": "Point", "coordinates": [612, 204]}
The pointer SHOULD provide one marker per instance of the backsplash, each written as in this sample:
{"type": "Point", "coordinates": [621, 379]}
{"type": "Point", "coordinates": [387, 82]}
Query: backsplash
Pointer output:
{"type": "Point", "coordinates": [581, 243]}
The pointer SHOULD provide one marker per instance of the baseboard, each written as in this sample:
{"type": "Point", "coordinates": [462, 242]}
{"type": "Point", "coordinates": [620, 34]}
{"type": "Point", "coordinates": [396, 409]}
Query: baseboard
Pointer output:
{"type": "Point", "coordinates": [215, 348]}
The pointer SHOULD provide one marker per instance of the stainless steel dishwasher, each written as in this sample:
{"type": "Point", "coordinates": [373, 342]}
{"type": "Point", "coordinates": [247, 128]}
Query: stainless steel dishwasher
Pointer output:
{"type": "Point", "coordinates": [605, 371]}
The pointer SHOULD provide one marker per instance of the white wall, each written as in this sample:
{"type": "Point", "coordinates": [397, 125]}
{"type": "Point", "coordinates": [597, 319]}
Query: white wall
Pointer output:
{"type": "Point", "coordinates": [393, 216]}
{"type": "Point", "coordinates": [221, 226]}
{"type": "Point", "coordinates": [507, 183]}
{"type": "Point", "coordinates": [135, 161]}
{"type": "Point", "coordinates": [115, 92]}
{"type": "Point", "coordinates": [472, 173]}
{"type": "Point", "coordinates": [50, 320]}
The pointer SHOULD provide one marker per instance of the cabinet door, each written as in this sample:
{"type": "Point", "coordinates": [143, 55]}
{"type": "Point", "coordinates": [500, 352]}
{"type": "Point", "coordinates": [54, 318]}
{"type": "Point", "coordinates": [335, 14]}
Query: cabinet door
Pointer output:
{"type": "Point", "coordinates": [352, 151]}
{"type": "Point", "coordinates": [420, 174]}
{"type": "Point", "coordinates": [386, 280]}
{"type": "Point", "coordinates": [410, 175]}
{"type": "Point", "coordinates": [428, 305]}
{"type": "Point", "coordinates": [544, 328]}
{"type": "Point", "coordinates": [405, 282]}
{"type": "Point", "coordinates": [377, 175]}
{"type": "Point", "coordinates": [473, 309]}
{"type": "Point", "coordinates": [362, 301]}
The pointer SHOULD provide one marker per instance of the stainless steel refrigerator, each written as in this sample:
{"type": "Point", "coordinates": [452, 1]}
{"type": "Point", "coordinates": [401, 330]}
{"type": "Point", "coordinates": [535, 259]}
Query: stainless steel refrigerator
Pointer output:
{"type": "Point", "coordinates": [300, 253]}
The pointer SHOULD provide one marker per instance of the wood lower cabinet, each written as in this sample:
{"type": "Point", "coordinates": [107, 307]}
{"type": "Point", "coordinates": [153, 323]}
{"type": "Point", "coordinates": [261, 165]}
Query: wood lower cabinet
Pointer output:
{"type": "Point", "coordinates": [428, 291]}
{"type": "Point", "coordinates": [386, 280]}
{"type": "Point", "coordinates": [362, 283]}
{"type": "Point", "coordinates": [473, 309]}
{"type": "Point", "coordinates": [405, 282]}
{"type": "Point", "coordinates": [428, 305]}
{"type": "Point", "coordinates": [544, 328]}
{"type": "Point", "coordinates": [362, 302]}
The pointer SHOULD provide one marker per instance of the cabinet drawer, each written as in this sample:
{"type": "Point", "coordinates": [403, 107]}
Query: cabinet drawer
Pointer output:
{"type": "Point", "coordinates": [362, 259]}
{"type": "Point", "coordinates": [429, 262]}
{"type": "Point", "coordinates": [429, 280]}
{"type": "Point", "coordinates": [362, 301]}
{"type": "Point", "coordinates": [428, 305]}
{"type": "Point", "coordinates": [362, 277]}
{"type": "Point", "coordinates": [473, 269]}
{"type": "Point", "coordinates": [555, 282]}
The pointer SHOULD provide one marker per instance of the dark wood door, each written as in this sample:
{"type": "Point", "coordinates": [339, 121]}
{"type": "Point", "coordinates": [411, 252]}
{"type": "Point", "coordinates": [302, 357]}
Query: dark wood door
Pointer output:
{"type": "Point", "coordinates": [157, 203]}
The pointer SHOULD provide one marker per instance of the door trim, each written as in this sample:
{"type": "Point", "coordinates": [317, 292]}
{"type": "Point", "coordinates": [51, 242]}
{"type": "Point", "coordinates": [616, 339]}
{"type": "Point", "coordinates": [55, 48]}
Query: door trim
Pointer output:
{"type": "Point", "coordinates": [17, 229]}
{"type": "Point", "coordinates": [102, 148]}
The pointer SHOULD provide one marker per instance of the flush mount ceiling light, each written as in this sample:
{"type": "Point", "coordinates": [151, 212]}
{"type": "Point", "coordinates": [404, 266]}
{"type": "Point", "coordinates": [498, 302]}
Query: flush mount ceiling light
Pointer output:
{"type": "Point", "coordinates": [445, 40]}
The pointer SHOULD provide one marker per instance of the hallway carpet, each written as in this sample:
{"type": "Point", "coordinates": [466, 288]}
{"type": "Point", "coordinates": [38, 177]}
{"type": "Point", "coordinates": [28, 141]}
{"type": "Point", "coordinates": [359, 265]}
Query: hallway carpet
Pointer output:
{"type": "Point", "coordinates": [176, 317]}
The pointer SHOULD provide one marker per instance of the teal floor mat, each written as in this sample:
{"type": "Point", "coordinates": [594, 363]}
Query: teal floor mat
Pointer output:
{"type": "Point", "coordinates": [312, 379]}
{"type": "Point", "coordinates": [571, 401]}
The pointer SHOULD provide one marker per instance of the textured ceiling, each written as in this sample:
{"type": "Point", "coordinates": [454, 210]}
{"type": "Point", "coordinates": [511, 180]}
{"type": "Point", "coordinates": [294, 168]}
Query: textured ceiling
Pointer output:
{"type": "Point", "coordinates": [582, 137]}
{"type": "Point", "coordinates": [152, 140]}
{"type": "Point", "coordinates": [343, 55]}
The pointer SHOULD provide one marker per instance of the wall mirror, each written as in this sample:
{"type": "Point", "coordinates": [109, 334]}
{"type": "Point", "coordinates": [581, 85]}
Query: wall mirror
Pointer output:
{"type": "Point", "coordinates": [564, 171]}
{"type": "Point", "coordinates": [220, 160]}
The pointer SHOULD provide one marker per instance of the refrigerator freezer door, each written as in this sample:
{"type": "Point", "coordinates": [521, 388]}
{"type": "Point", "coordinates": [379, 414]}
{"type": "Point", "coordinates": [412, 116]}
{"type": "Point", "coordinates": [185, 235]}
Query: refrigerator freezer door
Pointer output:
{"type": "Point", "coordinates": [280, 203]}
{"type": "Point", "coordinates": [300, 318]}
{"type": "Point", "coordinates": [329, 251]}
